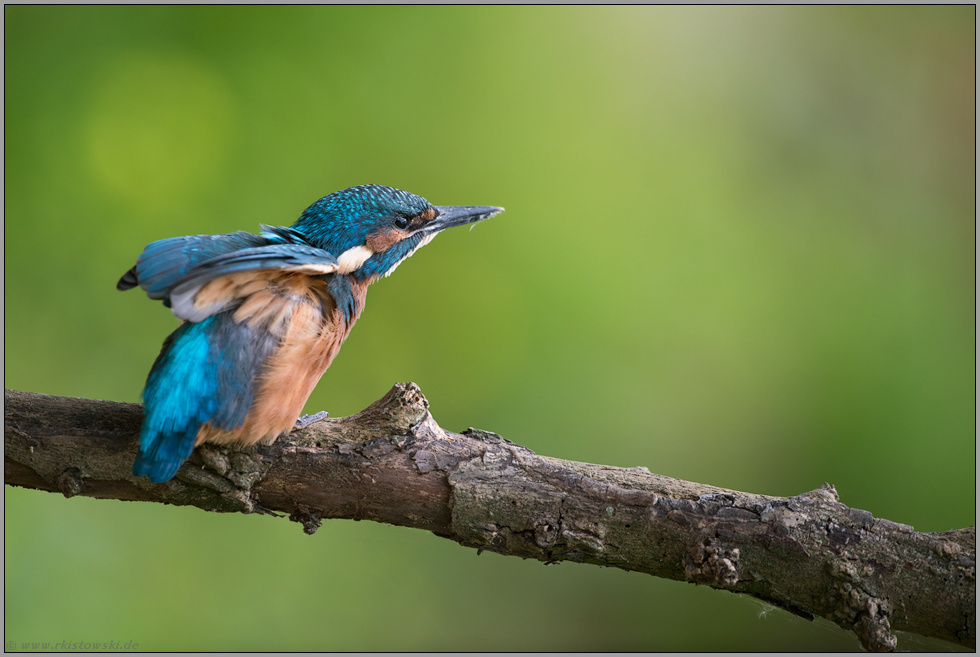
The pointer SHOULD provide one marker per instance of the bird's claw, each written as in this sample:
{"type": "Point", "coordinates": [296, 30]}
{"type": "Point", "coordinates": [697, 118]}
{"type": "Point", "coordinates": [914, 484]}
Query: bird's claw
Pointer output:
{"type": "Point", "coordinates": [307, 420]}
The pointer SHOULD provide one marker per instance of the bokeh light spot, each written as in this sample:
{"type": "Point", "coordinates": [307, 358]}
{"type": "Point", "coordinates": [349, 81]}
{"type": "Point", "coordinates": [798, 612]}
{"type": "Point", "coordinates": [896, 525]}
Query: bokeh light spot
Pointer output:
{"type": "Point", "coordinates": [159, 129]}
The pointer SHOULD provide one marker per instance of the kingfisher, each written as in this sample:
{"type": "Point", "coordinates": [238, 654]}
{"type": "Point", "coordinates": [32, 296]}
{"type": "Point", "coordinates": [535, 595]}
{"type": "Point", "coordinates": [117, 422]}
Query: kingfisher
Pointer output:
{"type": "Point", "coordinates": [264, 316]}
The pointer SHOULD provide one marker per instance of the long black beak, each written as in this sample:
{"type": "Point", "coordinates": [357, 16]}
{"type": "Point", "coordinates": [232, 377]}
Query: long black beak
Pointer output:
{"type": "Point", "coordinates": [459, 215]}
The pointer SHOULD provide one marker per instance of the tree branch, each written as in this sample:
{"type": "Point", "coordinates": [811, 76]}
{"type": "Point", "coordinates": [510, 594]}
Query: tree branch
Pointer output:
{"type": "Point", "coordinates": [392, 463]}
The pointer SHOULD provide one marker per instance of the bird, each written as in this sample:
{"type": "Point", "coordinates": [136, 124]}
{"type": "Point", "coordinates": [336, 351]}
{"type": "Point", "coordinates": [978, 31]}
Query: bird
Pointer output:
{"type": "Point", "coordinates": [265, 314]}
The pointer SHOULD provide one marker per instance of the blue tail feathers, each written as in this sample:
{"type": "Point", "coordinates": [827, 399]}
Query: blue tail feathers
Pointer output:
{"type": "Point", "coordinates": [180, 396]}
{"type": "Point", "coordinates": [162, 463]}
{"type": "Point", "coordinates": [205, 373]}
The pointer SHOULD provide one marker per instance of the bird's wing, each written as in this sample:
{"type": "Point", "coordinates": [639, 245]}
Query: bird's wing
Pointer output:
{"type": "Point", "coordinates": [221, 282]}
{"type": "Point", "coordinates": [206, 373]}
{"type": "Point", "coordinates": [261, 330]}
{"type": "Point", "coordinates": [163, 262]}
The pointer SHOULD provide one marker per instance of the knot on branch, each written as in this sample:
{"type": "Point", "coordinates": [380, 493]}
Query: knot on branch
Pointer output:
{"type": "Point", "coordinates": [70, 482]}
{"type": "Point", "coordinates": [224, 470]}
{"type": "Point", "coordinates": [867, 614]}
{"type": "Point", "coordinates": [306, 517]}
{"type": "Point", "coordinates": [874, 631]}
{"type": "Point", "coordinates": [713, 564]}
{"type": "Point", "coordinates": [402, 407]}
{"type": "Point", "coordinates": [825, 492]}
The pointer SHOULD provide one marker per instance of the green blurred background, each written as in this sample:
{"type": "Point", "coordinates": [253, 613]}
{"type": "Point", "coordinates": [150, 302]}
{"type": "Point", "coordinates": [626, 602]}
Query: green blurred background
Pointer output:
{"type": "Point", "coordinates": [738, 249]}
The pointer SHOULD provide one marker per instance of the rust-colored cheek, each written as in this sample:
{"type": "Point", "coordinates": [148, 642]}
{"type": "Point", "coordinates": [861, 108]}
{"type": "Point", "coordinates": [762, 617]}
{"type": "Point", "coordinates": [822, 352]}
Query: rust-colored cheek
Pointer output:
{"type": "Point", "coordinates": [383, 239]}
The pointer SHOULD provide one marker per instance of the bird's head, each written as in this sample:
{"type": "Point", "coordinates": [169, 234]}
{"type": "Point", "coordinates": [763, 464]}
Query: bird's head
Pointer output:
{"type": "Point", "coordinates": [371, 228]}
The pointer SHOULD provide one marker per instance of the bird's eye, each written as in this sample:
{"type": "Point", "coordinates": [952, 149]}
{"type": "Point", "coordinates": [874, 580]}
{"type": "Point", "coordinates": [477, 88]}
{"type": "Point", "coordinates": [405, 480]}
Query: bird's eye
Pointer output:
{"type": "Point", "coordinates": [401, 222]}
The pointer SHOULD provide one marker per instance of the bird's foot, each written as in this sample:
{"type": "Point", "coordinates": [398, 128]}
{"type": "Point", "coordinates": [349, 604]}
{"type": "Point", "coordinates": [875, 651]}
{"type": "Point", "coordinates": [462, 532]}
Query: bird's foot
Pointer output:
{"type": "Point", "coordinates": [307, 420]}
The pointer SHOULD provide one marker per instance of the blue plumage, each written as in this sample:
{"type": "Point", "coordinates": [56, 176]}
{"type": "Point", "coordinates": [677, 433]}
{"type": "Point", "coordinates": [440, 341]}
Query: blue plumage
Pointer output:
{"type": "Point", "coordinates": [205, 373]}
{"type": "Point", "coordinates": [180, 396]}
{"type": "Point", "coordinates": [381, 264]}
{"type": "Point", "coordinates": [341, 292]}
{"type": "Point", "coordinates": [342, 220]}
{"type": "Point", "coordinates": [265, 315]}
{"type": "Point", "coordinates": [163, 262]}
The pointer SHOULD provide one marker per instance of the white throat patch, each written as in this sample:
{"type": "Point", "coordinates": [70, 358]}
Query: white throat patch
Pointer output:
{"type": "Point", "coordinates": [352, 259]}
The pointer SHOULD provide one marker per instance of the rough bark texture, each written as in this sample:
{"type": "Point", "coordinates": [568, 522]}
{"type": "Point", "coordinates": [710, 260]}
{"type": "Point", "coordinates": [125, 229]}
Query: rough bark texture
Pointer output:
{"type": "Point", "coordinates": [392, 463]}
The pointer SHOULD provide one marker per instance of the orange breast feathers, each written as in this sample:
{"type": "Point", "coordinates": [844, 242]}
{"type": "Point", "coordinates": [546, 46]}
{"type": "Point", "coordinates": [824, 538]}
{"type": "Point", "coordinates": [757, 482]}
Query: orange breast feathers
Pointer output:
{"type": "Point", "coordinates": [298, 311]}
